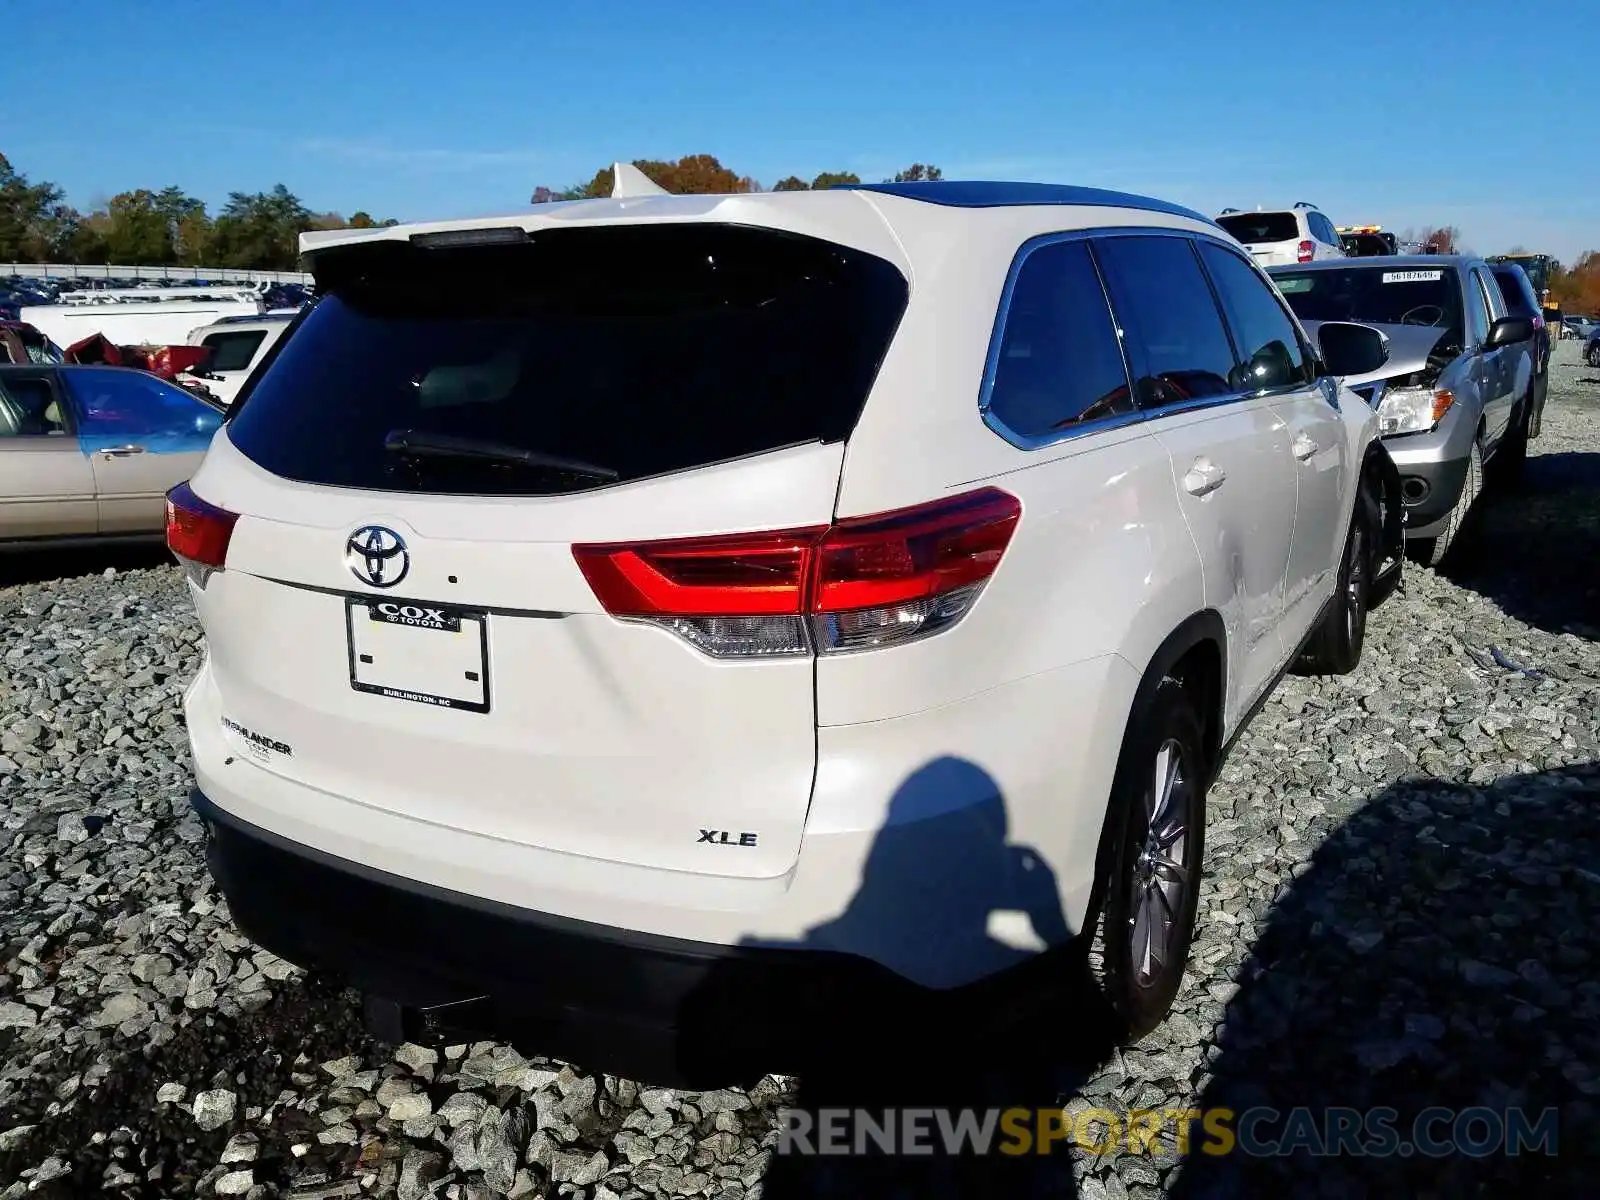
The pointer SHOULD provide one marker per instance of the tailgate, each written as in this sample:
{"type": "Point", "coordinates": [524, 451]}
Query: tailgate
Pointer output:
{"type": "Point", "coordinates": [401, 620]}
{"type": "Point", "coordinates": [487, 691]}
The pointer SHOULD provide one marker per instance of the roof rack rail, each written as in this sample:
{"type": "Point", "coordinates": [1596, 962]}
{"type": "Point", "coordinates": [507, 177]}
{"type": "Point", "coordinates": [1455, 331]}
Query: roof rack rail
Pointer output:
{"type": "Point", "coordinates": [1226, 211]}
{"type": "Point", "coordinates": [1303, 204]}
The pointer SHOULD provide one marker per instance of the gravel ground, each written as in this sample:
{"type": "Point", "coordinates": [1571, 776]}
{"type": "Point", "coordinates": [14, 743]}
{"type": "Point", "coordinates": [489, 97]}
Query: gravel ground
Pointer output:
{"type": "Point", "coordinates": [1403, 876]}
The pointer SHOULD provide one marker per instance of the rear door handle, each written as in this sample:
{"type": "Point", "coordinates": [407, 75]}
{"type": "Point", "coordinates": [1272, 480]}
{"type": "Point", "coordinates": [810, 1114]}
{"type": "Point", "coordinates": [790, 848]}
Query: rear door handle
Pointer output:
{"type": "Point", "coordinates": [1204, 477]}
{"type": "Point", "coordinates": [1304, 447]}
{"type": "Point", "coordinates": [121, 451]}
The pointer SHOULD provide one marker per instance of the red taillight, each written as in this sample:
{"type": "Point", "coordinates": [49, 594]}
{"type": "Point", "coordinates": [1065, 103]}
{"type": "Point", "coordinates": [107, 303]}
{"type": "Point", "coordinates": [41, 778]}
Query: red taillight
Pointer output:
{"type": "Point", "coordinates": [1307, 251]}
{"type": "Point", "coordinates": [863, 582]}
{"type": "Point", "coordinates": [196, 531]}
{"type": "Point", "coordinates": [914, 554]}
{"type": "Point", "coordinates": [745, 574]}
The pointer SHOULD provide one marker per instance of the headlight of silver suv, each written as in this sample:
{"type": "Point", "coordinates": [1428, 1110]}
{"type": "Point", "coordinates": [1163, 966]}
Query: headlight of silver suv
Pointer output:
{"type": "Point", "coordinates": [1413, 409]}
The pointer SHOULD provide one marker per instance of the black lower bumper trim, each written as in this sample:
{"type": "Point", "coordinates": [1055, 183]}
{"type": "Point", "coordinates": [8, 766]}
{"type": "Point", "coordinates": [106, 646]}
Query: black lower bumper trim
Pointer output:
{"type": "Point", "coordinates": [1444, 482]}
{"type": "Point", "coordinates": [637, 1005]}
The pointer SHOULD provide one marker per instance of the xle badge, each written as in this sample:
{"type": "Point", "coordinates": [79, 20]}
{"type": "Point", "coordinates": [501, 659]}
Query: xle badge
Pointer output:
{"type": "Point", "coordinates": [721, 837]}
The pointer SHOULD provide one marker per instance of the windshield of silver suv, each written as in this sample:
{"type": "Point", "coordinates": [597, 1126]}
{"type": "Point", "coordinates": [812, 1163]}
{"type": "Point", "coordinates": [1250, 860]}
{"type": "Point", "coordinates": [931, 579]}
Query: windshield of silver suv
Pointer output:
{"type": "Point", "coordinates": [573, 359]}
{"type": "Point", "coordinates": [1375, 295]}
{"type": "Point", "coordinates": [1256, 228]}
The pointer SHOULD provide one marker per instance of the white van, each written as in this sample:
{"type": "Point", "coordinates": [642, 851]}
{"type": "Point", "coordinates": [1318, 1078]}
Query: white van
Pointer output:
{"type": "Point", "coordinates": [143, 316]}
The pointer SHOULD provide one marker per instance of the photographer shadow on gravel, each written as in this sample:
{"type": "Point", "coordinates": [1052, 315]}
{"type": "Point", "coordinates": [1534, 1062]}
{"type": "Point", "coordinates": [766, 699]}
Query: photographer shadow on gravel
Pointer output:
{"type": "Point", "coordinates": [1441, 950]}
{"type": "Point", "coordinates": [1535, 549]}
{"type": "Point", "coordinates": [939, 870]}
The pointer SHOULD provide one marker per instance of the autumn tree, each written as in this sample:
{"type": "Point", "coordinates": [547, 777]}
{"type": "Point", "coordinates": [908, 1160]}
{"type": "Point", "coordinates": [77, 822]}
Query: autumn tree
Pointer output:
{"type": "Point", "coordinates": [830, 179]}
{"type": "Point", "coordinates": [691, 175]}
{"type": "Point", "coordinates": [1576, 289]}
{"type": "Point", "coordinates": [791, 183]}
{"type": "Point", "coordinates": [136, 231]}
{"type": "Point", "coordinates": [34, 222]}
{"type": "Point", "coordinates": [1445, 239]}
{"type": "Point", "coordinates": [261, 230]}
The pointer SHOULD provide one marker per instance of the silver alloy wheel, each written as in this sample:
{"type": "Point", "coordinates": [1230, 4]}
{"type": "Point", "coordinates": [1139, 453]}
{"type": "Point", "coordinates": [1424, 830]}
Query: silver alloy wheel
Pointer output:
{"type": "Point", "coordinates": [1160, 878]}
{"type": "Point", "coordinates": [1355, 612]}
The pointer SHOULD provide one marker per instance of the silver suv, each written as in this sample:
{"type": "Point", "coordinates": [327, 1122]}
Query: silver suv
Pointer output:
{"type": "Point", "coordinates": [1453, 398]}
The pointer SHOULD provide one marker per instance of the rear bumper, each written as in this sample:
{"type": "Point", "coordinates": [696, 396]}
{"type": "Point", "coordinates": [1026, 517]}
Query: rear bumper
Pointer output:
{"type": "Point", "coordinates": [640, 1005]}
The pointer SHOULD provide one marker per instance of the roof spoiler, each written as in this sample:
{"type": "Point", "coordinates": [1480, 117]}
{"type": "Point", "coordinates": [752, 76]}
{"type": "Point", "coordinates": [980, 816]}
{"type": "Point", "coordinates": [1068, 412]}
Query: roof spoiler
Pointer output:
{"type": "Point", "coordinates": [628, 180]}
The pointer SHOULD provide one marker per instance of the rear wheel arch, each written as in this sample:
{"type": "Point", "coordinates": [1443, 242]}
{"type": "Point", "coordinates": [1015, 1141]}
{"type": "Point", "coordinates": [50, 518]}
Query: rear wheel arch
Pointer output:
{"type": "Point", "coordinates": [1195, 653]}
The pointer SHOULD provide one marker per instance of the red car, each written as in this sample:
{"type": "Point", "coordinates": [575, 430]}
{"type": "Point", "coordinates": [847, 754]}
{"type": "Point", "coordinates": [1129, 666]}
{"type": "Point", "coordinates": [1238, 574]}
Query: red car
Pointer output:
{"type": "Point", "coordinates": [22, 343]}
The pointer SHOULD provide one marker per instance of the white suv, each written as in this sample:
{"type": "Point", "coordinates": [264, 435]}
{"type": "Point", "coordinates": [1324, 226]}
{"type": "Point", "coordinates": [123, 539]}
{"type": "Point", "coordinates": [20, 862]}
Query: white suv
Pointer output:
{"type": "Point", "coordinates": [625, 615]}
{"type": "Point", "coordinates": [1283, 236]}
{"type": "Point", "coordinates": [238, 346]}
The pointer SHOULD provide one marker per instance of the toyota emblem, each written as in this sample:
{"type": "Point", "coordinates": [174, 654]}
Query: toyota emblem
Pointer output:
{"type": "Point", "coordinates": [377, 556]}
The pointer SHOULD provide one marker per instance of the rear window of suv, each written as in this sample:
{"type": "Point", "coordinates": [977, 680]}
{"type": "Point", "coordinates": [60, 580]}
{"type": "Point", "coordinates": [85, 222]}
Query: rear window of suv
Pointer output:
{"type": "Point", "coordinates": [639, 350]}
{"type": "Point", "coordinates": [1256, 228]}
{"type": "Point", "coordinates": [233, 351]}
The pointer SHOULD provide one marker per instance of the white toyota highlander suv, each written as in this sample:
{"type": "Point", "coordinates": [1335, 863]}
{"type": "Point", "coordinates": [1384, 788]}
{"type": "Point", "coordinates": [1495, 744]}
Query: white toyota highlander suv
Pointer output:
{"type": "Point", "coordinates": [626, 615]}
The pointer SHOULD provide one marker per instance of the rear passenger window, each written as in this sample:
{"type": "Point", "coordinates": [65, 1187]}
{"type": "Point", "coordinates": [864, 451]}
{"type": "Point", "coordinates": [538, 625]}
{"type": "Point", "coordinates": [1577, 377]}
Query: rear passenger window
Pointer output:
{"type": "Point", "coordinates": [1270, 354]}
{"type": "Point", "coordinates": [1174, 332]}
{"type": "Point", "coordinates": [1059, 363]}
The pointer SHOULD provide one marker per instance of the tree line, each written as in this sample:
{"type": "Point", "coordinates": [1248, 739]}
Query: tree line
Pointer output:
{"type": "Point", "coordinates": [1576, 289]}
{"type": "Point", "coordinates": [702, 174]}
{"type": "Point", "coordinates": [259, 230]}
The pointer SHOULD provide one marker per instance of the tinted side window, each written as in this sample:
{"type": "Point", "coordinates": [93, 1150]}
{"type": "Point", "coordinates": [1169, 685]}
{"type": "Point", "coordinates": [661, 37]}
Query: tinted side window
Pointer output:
{"type": "Point", "coordinates": [1059, 362]}
{"type": "Point", "coordinates": [1477, 310]}
{"type": "Point", "coordinates": [1179, 347]}
{"type": "Point", "coordinates": [119, 403]}
{"type": "Point", "coordinates": [1491, 296]}
{"type": "Point", "coordinates": [1270, 353]}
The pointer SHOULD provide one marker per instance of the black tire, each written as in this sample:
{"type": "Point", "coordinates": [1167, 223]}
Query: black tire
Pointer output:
{"type": "Point", "coordinates": [1335, 647]}
{"type": "Point", "coordinates": [1433, 551]}
{"type": "Point", "coordinates": [1591, 354]}
{"type": "Point", "coordinates": [1141, 989]}
{"type": "Point", "coordinates": [1537, 396]}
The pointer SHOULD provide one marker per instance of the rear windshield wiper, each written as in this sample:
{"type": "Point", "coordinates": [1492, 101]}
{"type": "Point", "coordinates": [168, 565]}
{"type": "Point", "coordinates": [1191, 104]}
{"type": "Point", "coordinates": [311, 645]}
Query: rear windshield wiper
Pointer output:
{"type": "Point", "coordinates": [419, 444]}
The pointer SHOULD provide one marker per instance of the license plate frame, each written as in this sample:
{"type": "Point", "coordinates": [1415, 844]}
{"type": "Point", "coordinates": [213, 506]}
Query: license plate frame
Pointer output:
{"type": "Point", "coordinates": [368, 614]}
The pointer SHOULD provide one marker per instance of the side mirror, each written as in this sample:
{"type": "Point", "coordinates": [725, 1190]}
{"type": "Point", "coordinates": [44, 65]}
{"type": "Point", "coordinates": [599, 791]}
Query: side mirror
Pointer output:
{"type": "Point", "coordinates": [1508, 331]}
{"type": "Point", "coordinates": [1351, 349]}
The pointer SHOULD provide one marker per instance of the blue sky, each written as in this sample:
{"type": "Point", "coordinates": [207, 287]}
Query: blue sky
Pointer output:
{"type": "Point", "coordinates": [1462, 115]}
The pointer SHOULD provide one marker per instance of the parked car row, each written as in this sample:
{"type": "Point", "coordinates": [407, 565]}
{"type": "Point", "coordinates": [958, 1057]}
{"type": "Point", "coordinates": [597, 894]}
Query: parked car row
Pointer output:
{"type": "Point", "coordinates": [1582, 328]}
